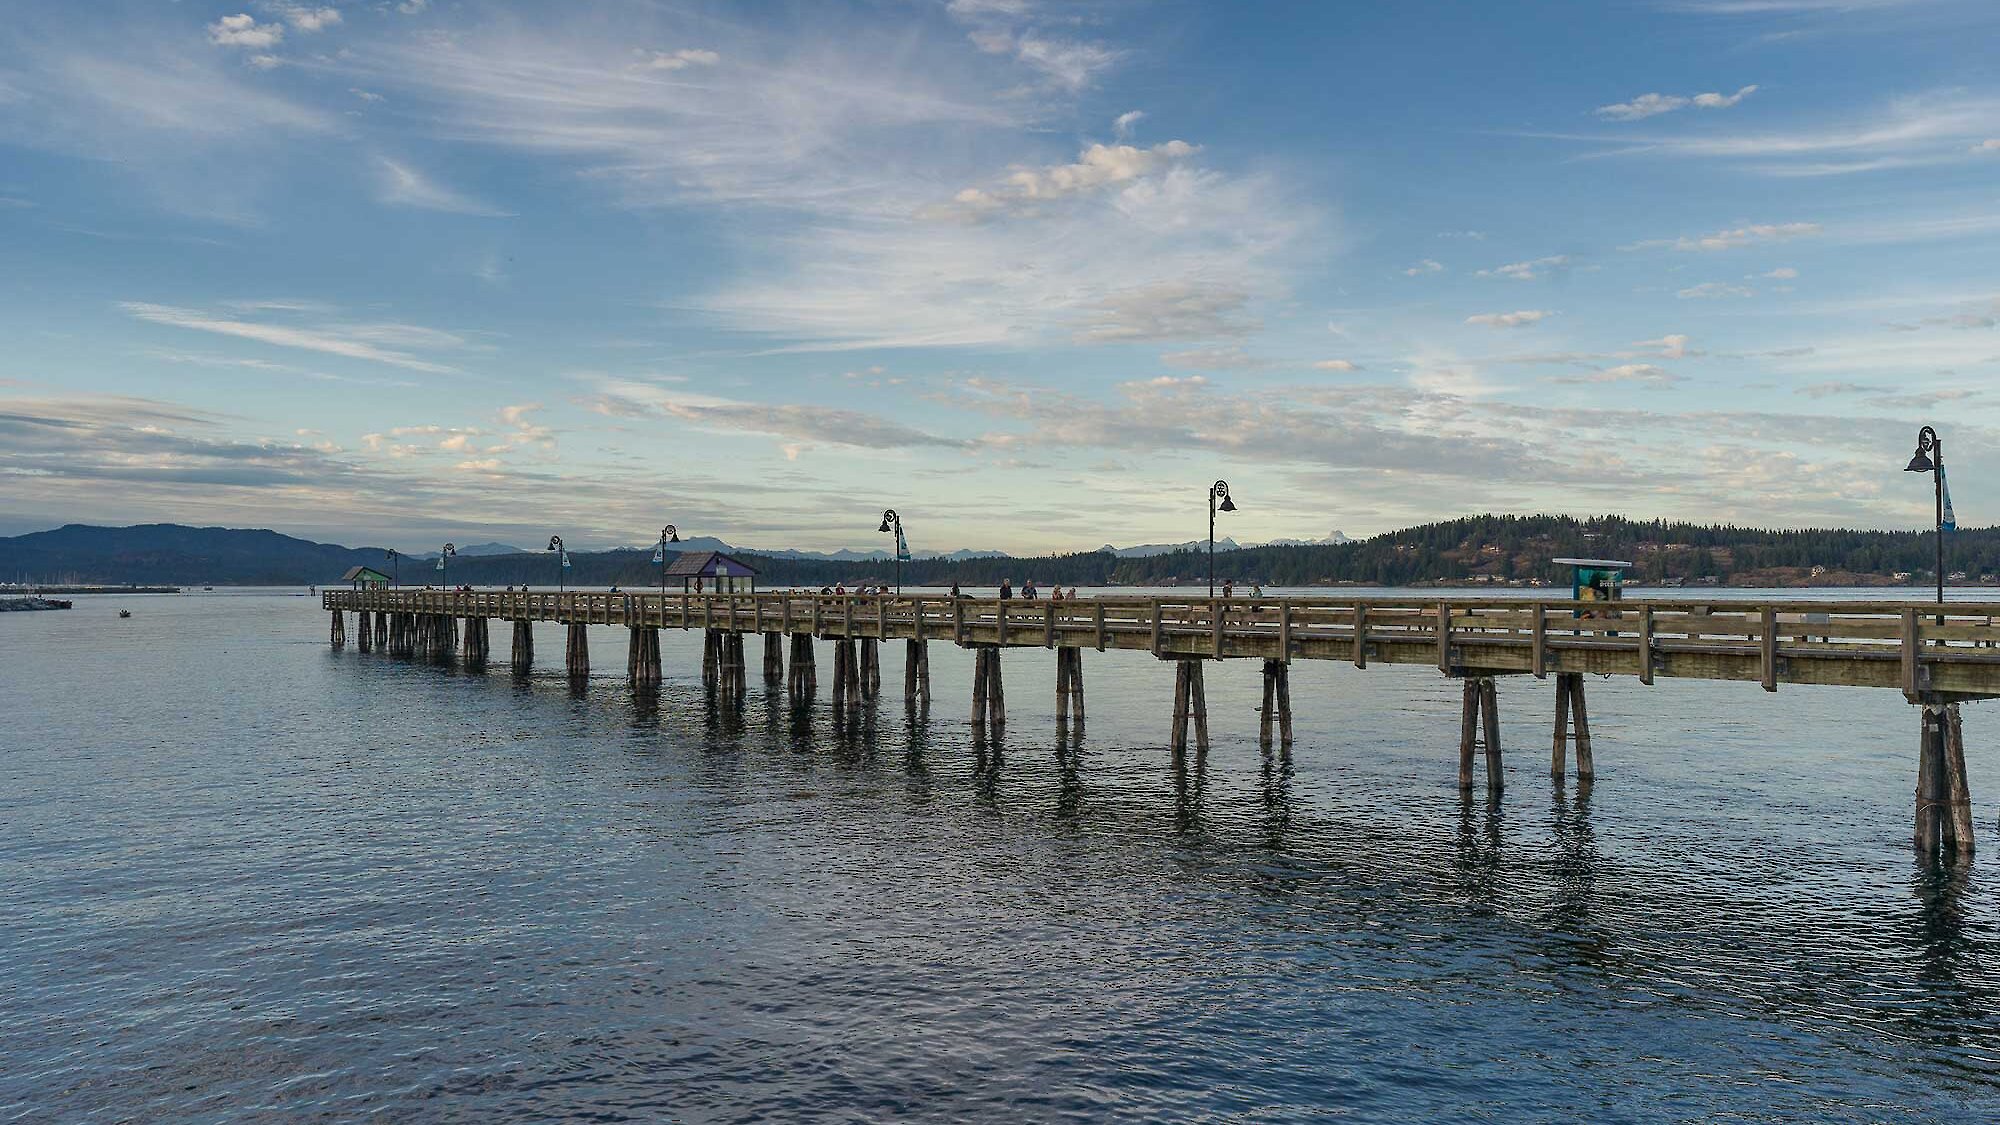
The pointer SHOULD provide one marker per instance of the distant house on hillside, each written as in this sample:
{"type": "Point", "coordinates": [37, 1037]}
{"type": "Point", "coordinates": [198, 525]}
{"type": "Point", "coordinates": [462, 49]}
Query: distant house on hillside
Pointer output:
{"type": "Point", "coordinates": [364, 577]}
{"type": "Point", "coordinates": [712, 572]}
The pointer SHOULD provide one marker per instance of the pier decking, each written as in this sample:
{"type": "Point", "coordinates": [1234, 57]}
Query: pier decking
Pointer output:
{"type": "Point", "coordinates": [1937, 656]}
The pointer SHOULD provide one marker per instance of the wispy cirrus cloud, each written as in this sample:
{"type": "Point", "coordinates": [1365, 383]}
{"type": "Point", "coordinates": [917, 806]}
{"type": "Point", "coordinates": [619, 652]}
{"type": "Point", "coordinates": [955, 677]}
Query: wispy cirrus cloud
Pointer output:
{"type": "Point", "coordinates": [375, 343]}
{"type": "Point", "coordinates": [1652, 105]}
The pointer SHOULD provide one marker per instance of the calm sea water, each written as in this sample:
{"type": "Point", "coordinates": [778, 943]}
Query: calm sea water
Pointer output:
{"type": "Point", "coordinates": [245, 878]}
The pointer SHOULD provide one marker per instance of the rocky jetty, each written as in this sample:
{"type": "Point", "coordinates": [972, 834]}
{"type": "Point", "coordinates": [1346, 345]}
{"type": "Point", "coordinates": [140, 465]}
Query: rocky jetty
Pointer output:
{"type": "Point", "coordinates": [16, 605]}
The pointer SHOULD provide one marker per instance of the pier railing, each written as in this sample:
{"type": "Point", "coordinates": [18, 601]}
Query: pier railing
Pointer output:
{"type": "Point", "coordinates": [1921, 649]}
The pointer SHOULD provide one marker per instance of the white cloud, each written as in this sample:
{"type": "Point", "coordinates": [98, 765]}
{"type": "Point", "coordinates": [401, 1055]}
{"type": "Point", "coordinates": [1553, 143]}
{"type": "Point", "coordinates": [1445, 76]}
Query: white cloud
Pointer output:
{"type": "Point", "coordinates": [243, 30]}
{"type": "Point", "coordinates": [1734, 237]}
{"type": "Point", "coordinates": [1530, 270]}
{"type": "Point", "coordinates": [1710, 290]}
{"type": "Point", "coordinates": [364, 95]}
{"type": "Point", "coordinates": [1723, 101]}
{"type": "Point", "coordinates": [354, 342]}
{"type": "Point", "coordinates": [1070, 63]}
{"type": "Point", "coordinates": [675, 60]}
{"type": "Point", "coordinates": [404, 186]}
{"type": "Point", "coordinates": [1336, 365]}
{"type": "Point", "coordinates": [1517, 319]}
{"type": "Point", "coordinates": [1165, 311]}
{"type": "Point", "coordinates": [1991, 144]}
{"type": "Point", "coordinates": [1644, 374]}
{"type": "Point", "coordinates": [1212, 359]}
{"type": "Point", "coordinates": [1651, 105]}
{"type": "Point", "coordinates": [1671, 346]}
{"type": "Point", "coordinates": [1123, 123]}
{"type": "Point", "coordinates": [1782, 273]}
{"type": "Point", "coordinates": [1099, 166]}
{"type": "Point", "coordinates": [1428, 265]}
{"type": "Point", "coordinates": [307, 19]}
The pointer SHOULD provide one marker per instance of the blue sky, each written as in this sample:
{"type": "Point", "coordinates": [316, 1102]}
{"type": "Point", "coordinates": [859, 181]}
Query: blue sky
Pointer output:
{"type": "Point", "coordinates": [1033, 274]}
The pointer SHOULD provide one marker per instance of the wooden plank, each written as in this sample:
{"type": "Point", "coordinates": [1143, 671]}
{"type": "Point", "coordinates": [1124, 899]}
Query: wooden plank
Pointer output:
{"type": "Point", "coordinates": [881, 617]}
{"type": "Point", "coordinates": [1646, 645]}
{"type": "Point", "coordinates": [958, 620]}
{"type": "Point", "coordinates": [1767, 655]}
{"type": "Point", "coordinates": [917, 619]}
{"type": "Point", "coordinates": [1540, 658]}
{"type": "Point", "coordinates": [1361, 634]}
{"type": "Point", "coordinates": [1909, 653]}
{"type": "Point", "coordinates": [1098, 620]}
{"type": "Point", "coordinates": [1159, 628]}
{"type": "Point", "coordinates": [1049, 624]}
{"type": "Point", "coordinates": [1444, 636]}
{"type": "Point", "coordinates": [1000, 621]}
{"type": "Point", "coordinates": [1218, 613]}
{"type": "Point", "coordinates": [1285, 630]}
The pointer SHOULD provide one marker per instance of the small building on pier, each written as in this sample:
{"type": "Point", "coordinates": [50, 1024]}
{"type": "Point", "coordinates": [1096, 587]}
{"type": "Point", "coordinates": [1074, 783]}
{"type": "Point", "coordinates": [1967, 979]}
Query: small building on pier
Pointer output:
{"type": "Point", "coordinates": [365, 578]}
{"type": "Point", "coordinates": [712, 572]}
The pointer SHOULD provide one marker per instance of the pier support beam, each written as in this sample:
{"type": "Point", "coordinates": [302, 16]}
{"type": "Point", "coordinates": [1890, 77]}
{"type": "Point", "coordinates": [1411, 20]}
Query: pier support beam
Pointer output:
{"type": "Point", "coordinates": [365, 632]}
{"type": "Point", "coordinates": [847, 674]}
{"type": "Point", "coordinates": [524, 647]}
{"type": "Point", "coordinates": [989, 693]}
{"type": "Point", "coordinates": [1572, 721]}
{"type": "Point", "coordinates": [917, 673]}
{"type": "Point", "coordinates": [381, 631]}
{"type": "Point", "coordinates": [1479, 728]}
{"type": "Point", "coordinates": [871, 668]}
{"type": "Point", "coordinates": [474, 649]}
{"type": "Point", "coordinates": [802, 679]}
{"type": "Point", "coordinates": [1069, 685]}
{"type": "Point", "coordinates": [774, 659]}
{"type": "Point", "coordinates": [1190, 707]}
{"type": "Point", "coordinates": [576, 652]}
{"type": "Point", "coordinates": [711, 658]}
{"type": "Point", "coordinates": [338, 635]}
{"type": "Point", "coordinates": [642, 656]}
{"type": "Point", "coordinates": [1944, 800]}
{"type": "Point", "coordinates": [731, 677]}
{"type": "Point", "coordinates": [1277, 704]}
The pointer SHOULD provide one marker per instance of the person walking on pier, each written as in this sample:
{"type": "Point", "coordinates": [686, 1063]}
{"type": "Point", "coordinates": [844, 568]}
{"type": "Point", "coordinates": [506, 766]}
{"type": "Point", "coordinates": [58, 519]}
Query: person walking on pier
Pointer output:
{"type": "Point", "coordinates": [1006, 588]}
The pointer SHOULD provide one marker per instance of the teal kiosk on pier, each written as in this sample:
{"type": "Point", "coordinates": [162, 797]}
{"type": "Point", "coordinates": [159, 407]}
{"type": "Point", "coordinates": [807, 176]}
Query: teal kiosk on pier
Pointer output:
{"type": "Point", "coordinates": [1595, 580]}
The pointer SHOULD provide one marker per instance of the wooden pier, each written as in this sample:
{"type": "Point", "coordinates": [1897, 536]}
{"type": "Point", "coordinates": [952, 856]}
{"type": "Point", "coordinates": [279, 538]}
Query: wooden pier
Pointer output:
{"type": "Point", "coordinates": [1937, 656]}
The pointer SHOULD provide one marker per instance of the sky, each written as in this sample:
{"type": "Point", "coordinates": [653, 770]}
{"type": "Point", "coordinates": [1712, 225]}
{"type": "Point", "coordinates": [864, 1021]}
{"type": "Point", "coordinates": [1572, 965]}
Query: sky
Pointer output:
{"type": "Point", "coordinates": [1033, 274]}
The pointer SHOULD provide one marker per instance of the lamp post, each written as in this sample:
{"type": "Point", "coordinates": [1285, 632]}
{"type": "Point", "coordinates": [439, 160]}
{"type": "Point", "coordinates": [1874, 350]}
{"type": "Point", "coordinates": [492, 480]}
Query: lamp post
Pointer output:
{"type": "Point", "coordinates": [668, 534]}
{"type": "Point", "coordinates": [1217, 491]}
{"type": "Point", "coordinates": [555, 544]}
{"type": "Point", "coordinates": [891, 520]}
{"type": "Point", "coordinates": [444, 564]}
{"type": "Point", "coordinates": [395, 568]}
{"type": "Point", "coordinates": [1930, 459]}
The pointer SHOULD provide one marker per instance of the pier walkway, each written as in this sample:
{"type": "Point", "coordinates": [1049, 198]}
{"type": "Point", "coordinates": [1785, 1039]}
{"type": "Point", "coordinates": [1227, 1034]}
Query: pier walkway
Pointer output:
{"type": "Point", "coordinates": [1937, 656]}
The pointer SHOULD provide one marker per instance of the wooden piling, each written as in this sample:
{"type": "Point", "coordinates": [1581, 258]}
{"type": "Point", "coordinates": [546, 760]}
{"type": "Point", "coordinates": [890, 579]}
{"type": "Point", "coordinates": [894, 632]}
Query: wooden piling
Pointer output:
{"type": "Point", "coordinates": [1930, 780]}
{"type": "Point", "coordinates": [1958, 793]}
{"type": "Point", "coordinates": [1277, 706]}
{"type": "Point", "coordinates": [802, 679]}
{"type": "Point", "coordinates": [1572, 722]}
{"type": "Point", "coordinates": [917, 673]}
{"type": "Point", "coordinates": [473, 649]}
{"type": "Point", "coordinates": [774, 658]}
{"type": "Point", "coordinates": [524, 647]}
{"type": "Point", "coordinates": [642, 656]}
{"type": "Point", "coordinates": [1489, 709]}
{"type": "Point", "coordinates": [576, 651]}
{"type": "Point", "coordinates": [363, 633]}
{"type": "Point", "coordinates": [989, 696]}
{"type": "Point", "coordinates": [1069, 684]}
{"type": "Point", "coordinates": [381, 631]}
{"type": "Point", "coordinates": [338, 634]}
{"type": "Point", "coordinates": [1190, 707]}
{"type": "Point", "coordinates": [869, 681]}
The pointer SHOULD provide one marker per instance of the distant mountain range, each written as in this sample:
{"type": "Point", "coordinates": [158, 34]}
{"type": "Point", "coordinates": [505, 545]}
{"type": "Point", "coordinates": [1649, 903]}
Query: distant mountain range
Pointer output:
{"type": "Point", "coordinates": [1147, 550]}
{"type": "Point", "coordinates": [1474, 549]}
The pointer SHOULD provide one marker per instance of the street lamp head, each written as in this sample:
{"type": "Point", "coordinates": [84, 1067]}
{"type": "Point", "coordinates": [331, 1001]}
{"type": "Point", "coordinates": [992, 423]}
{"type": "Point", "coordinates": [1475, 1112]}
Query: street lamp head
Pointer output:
{"type": "Point", "coordinates": [1228, 505]}
{"type": "Point", "coordinates": [391, 553]}
{"type": "Point", "coordinates": [1220, 491]}
{"type": "Point", "coordinates": [555, 542]}
{"type": "Point", "coordinates": [670, 533]}
{"type": "Point", "coordinates": [1927, 440]}
{"type": "Point", "coordinates": [450, 550]}
{"type": "Point", "coordinates": [889, 516]}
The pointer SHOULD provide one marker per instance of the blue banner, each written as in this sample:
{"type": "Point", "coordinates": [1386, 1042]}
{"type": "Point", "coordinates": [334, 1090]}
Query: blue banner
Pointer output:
{"type": "Point", "coordinates": [1948, 522]}
{"type": "Point", "coordinates": [902, 545]}
{"type": "Point", "coordinates": [565, 557]}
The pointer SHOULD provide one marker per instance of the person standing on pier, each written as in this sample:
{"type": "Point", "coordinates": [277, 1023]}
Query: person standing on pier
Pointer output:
{"type": "Point", "coordinates": [1006, 588]}
{"type": "Point", "coordinates": [954, 590]}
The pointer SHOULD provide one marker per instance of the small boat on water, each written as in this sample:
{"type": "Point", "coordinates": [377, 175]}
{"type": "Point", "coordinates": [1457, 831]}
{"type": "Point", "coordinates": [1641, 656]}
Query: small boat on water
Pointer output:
{"type": "Point", "coordinates": [124, 613]}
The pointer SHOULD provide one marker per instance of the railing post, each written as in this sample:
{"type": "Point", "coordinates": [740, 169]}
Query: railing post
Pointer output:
{"type": "Point", "coordinates": [1646, 645]}
{"type": "Point", "coordinates": [1768, 648]}
{"type": "Point", "coordinates": [1540, 645]}
{"type": "Point", "coordinates": [1444, 636]}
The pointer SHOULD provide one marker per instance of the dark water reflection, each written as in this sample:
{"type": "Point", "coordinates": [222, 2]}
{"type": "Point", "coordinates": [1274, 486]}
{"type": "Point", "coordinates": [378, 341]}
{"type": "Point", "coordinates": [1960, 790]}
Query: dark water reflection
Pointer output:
{"type": "Point", "coordinates": [243, 878]}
